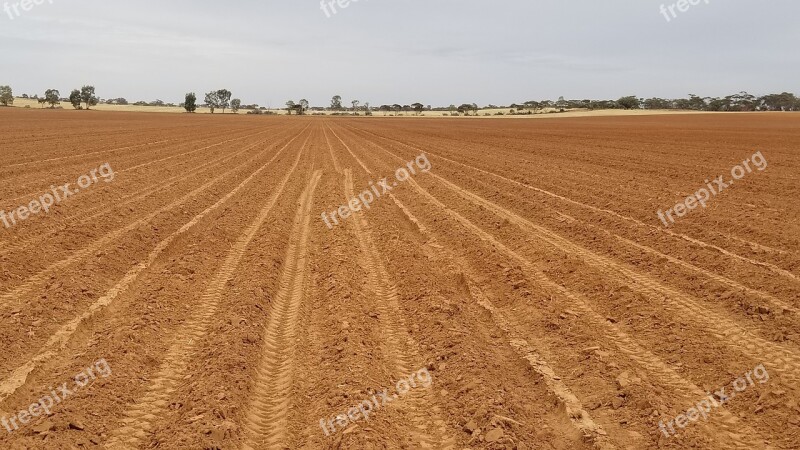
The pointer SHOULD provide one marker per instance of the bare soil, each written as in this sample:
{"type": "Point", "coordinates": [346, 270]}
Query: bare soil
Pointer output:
{"type": "Point", "coordinates": [527, 273]}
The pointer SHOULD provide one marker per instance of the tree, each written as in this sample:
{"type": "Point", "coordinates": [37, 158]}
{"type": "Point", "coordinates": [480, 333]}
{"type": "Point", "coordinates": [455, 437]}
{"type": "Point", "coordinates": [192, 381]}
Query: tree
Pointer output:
{"type": "Point", "coordinates": [290, 106]}
{"type": "Point", "coordinates": [303, 106]}
{"type": "Point", "coordinates": [224, 99]}
{"type": "Point", "coordinates": [235, 105]}
{"type": "Point", "coordinates": [52, 96]}
{"type": "Point", "coordinates": [336, 103]}
{"type": "Point", "coordinates": [779, 102]}
{"type": "Point", "coordinates": [367, 109]}
{"type": "Point", "coordinates": [212, 100]}
{"type": "Point", "coordinates": [743, 101]}
{"type": "Point", "coordinates": [385, 109]}
{"type": "Point", "coordinates": [6, 95]}
{"type": "Point", "coordinates": [657, 103]}
{"type": "Point", "coordinates": [417, 107]}
{"type": "Point", "coordinates": [75, 98]}
{"type": "Point", "coordinates": [534, 105]}
{"type": "Point", "coordinates": [190, 103]}
{"type": "Point", "coordinates": [629, 102]}
{"type": "Point", "coordinates": [88, 97]}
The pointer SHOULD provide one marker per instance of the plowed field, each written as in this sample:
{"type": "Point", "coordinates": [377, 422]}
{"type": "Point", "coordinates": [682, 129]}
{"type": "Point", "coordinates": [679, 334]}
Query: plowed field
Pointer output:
{"type": "Point", "coordinates": [516, 290]}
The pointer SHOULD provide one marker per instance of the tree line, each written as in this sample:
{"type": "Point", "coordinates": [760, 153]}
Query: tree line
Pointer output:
{"type": "Point", "coordinates": [741, 101]}
{"type": "Point", "coordinates": [78, 97]}
{"type": "Point", "coordinates": [85, 98]}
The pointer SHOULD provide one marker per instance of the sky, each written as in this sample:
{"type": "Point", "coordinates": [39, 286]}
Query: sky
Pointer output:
{"type": "Point", "coordinates": [436, 52]}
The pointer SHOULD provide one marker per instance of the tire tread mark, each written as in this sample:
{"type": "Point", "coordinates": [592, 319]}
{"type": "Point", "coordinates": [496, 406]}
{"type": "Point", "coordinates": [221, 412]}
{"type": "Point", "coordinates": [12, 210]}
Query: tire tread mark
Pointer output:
{"type": "Point", "coordinates": [265, 422]}
{"type": "Point", "coordinates": [576, 413]}
{"type": "Point", "coordinates": [740, 435]}
{"type": "Point", "coordinates": [783, 360]}
{"type": "Point", "coordinates": [58, 341]}
{"type": "Point", "coordinates": [769, 266]}
{"type": "Point", "coordinates": [7, 297]}
{"type": "Point", "coordinates": [141, 416]}
{"type": "Point", "coordinates": [7, 247]}
{"type": "Point", "coordinates": [386, 293]}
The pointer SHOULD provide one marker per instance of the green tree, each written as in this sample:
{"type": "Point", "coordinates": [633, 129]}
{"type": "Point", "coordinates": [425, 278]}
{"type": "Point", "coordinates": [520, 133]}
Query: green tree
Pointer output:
{"type": "Point", "coordinates": [532, 104]}
{"type": "Point", "coordinates": [212, 100]}
{"type": "Point", "coordinates": [190, 103]}
{"type": "Point", "coordinates": [235, 105]}
{"type": "Point", "coordinates": [53, 97]}
{"type": "Point", "coordinates": [88, 97]}
{"type": "Point", "coordinates": [290, 106]}
{"type": "Point", "coordinates": [417, 107]}
{"type": "Point", "coordinates": [336, 103]}
{"type": "Point", "coordinates": [75, 98]}
{"type": "Point", "coordinates": [656, 103]}
{"type": "Point", "coordinates": [224, 98]}
{"type": "Point", "coordinates": [779, 102]}
{"type": "Point", "coordinates": [6, 95]}
{"type": "Point", "coordinates": [629, 102]}
{"type": "Point", "coordinates": [303, 106]}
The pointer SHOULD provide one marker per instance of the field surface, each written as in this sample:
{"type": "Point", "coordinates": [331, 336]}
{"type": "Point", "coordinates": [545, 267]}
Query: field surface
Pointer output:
{"type": "Point", "coordinates": [517, 290]}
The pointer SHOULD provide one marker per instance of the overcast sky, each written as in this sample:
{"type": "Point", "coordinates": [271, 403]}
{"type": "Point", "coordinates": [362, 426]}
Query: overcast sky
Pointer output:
{"type": "Point", "coordinates": [401, 51]}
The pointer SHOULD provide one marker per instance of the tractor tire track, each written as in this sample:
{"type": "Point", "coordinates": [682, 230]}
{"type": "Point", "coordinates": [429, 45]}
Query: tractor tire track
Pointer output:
{"type": "Point", "coordinates": [58, 341]}
{"type": "Point", "coordinates": [99, 210]}
{"type": "Point", "coordinates": [575, 411]}
{"type": "Point", "coordinates": [739, 435]}
{"type": "Point", "coordinates": [773, 268]}
{"type": "Point", "coordinates": [141, 416]}
{"type": "Point", "coordinates": [784, 360]}
{"type": "Point", "coordinates": [13, 295]}
{"type": "Point", "coordinates": [428, 432]}
{"type": "Point", "coordinates": [265, 423]}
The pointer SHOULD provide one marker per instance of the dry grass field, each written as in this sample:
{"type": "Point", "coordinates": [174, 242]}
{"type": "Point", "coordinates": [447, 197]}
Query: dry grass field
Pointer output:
{"type": "Point", "coordinates": [222, 282]}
